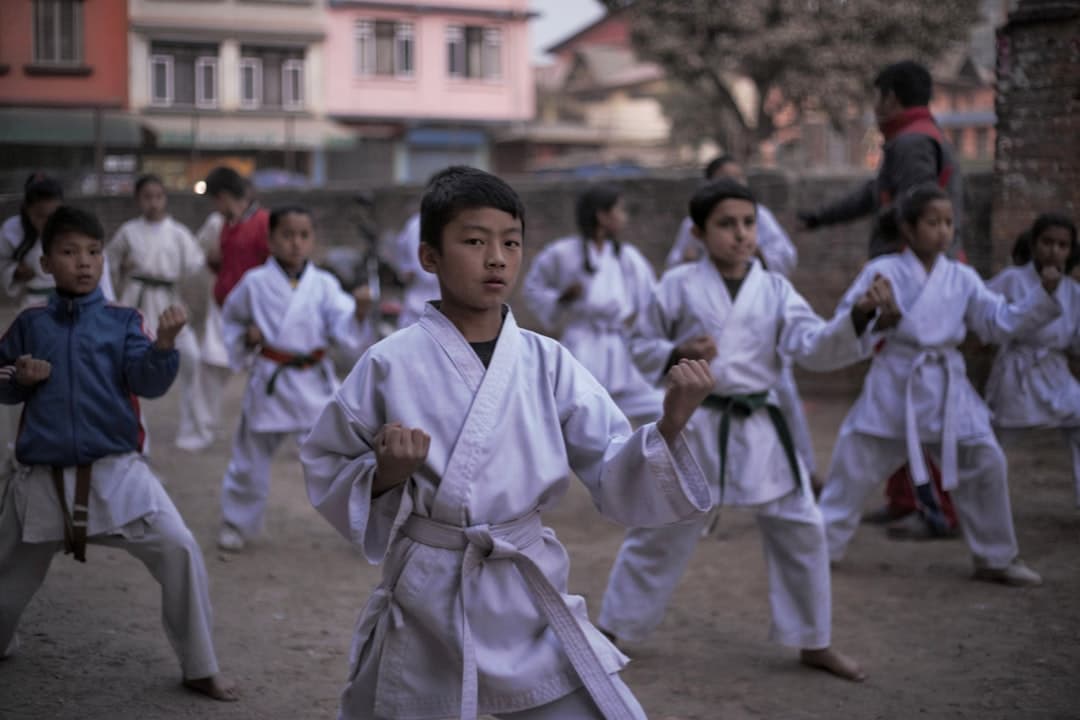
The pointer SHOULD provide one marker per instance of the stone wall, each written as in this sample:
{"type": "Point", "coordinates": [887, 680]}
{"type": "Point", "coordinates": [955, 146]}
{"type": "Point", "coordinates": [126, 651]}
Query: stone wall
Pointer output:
{"type": "Point", "coordinates": [1037, 167]}
{"type": "Point", "coordinates": [828, 259]}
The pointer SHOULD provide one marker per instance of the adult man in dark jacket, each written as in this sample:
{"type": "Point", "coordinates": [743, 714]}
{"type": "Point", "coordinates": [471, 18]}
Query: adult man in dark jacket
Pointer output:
{"type": "Point", "coordinates": [915, 152]}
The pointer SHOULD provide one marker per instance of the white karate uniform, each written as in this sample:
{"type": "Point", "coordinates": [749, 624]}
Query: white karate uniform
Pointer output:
{"type": "Point", "coordinates": [1030, 383]}
{"type": "Point", "coordinates": [780, 256]}
{"type": "Point", "coordinates": [128, 509]}
{"type": "Point", "coordinates": [595, 327]}
{"type": "Point", "coordinates": [767, 322]}
{"type": "Point", "coordinates": [214, 370]}
{"type": "Point", "coordinates": [423, 286]}
{"type": "Point", "coordinates": [151, 259]}
{"type": "Point", "coordinates": [295, 321]}
{"type": "Point", "coordinates": [917, 392]}
{"type": "Point", "coordinates": [469, 570]}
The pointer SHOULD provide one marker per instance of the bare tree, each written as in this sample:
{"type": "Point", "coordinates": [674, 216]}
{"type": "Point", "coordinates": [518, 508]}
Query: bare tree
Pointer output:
{"type": "Point", "coordinates": [798, 55]}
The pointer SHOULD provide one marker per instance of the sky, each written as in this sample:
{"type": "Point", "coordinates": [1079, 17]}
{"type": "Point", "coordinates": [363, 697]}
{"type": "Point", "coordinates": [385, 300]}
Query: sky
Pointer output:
{"type": "Point", "coordinates": [559, 19]}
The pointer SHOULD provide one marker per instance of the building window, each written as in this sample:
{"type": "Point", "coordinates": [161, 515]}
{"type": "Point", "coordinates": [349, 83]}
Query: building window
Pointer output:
{"type": "Point", "coordinates": [206, 90]}
{"type": "Point", "coordinates": [183, 75]}
{"type": "Point", "coordinates": [292, 84]}
{"type": "Point", "coordinates": [385, 48]}
{"type": "Point", "coordinates": [474, 52]}
{"type": "Point", "coordinates": [58, 31]}
{"type": "Point", "coordinates": [250, 83]}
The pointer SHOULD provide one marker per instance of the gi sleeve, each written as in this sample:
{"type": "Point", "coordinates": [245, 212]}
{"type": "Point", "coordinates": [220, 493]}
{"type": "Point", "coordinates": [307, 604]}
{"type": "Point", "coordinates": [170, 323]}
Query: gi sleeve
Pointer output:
{"type": "Point", "coordinates": [338, 457]}
{"type": "Point", "coordinates": [148, 371]}
{"type": "Point", "coordinates": [810, 341]}
{"type": "Point", "coordinates": [10, 239]}
{"type": "Point", "coordinates": [544, 283]}
{"type": "Point", "coordinates": [236, 316]}
{"type": "Point", "coordinates": [339, 318]}
{"type": "Point", "coordinates": [995, 320]}
{"type": "Point", "coordinates": [652, 337]}
{"type": "Point", "coordinates": [685, 242]}
{"type": "Point", "coordinates": [634, 479]}
{"type": "Point", "coordinates": [192, 256]}
{"type": "Point", "coordinates": [775, 245]}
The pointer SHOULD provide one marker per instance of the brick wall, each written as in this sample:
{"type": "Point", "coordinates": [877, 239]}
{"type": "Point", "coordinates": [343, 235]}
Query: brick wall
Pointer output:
{"type": "Point", "coordinates": [829, 259]}
{"type": "Point", "coordinates": [1037, 168]}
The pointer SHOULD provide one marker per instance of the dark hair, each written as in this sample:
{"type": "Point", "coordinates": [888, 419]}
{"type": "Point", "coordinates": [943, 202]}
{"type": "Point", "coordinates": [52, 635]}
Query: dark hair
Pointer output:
{"type": "Point", "coordinates": [460, 187]}
{"type": "Point", "coordinates": [38, 187]}
{"type": "Point", "coordinates": [278, 213]}
{"type": "Point", "coordinates": [1021, 251]}
{"type": "Point", "coordinates": [915, 201]}
{"type": "Point", "coordinates": [909, 81]}
{"type": "Point", "coordinates": [1044, 222]}
{"type": "Point", "coordinates": [716, 163]}
{"type": "Point", "coordinates": [709, 196]}
{"type": "Point", "coordinates": [145, 180]}
{"type": "Point", "coordinates": [225, 180]}
{"type": "Point", "coordinates": [598, 198]}
{"type": "Point", "coordinates": [68, 219]}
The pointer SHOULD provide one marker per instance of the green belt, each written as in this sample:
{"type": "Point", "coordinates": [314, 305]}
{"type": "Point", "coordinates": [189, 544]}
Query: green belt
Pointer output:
{"type": "Point", "coordinates": [744, 406]}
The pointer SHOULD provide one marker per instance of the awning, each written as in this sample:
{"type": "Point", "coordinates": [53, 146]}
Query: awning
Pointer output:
{"type": "Point", "coordinates": [64, 126]}
{"type": "Point", "coordinates": [255, 133]}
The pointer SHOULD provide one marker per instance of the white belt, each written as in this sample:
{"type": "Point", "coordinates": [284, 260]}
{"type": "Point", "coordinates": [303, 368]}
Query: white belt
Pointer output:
{"type": "Point", "coordinates": [954, 371]}
{"type": "Point", "coordinates": [484, 543]}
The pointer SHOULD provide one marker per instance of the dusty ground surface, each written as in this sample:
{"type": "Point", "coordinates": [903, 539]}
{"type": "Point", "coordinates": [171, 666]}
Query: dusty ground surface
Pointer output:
{"type": "Point", "coordinates": [936, 644]}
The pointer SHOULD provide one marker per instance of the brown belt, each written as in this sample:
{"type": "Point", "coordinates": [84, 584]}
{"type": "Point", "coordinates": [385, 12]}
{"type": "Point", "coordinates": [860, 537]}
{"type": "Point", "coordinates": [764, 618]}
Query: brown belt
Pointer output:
{"type": "Point", "coordinates": [74, 521]}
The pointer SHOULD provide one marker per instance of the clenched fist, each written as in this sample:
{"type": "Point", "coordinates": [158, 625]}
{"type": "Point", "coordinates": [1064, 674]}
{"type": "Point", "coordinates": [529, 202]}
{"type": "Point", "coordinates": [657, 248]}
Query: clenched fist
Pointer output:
{"type": "Point", "coordinates": [171, 322]}
{"type": "Point", "coordinates": [689, 383]}
{"type": "Point", "coordinates": [363, 298]}
{"type": "Point", "coordinates": [30, 371]}
{"type": "Point", "coordinates": [1051, 278]}
{"type": "Point", "coordinates": [399, 451]}
{"type": "Point", "coordinates": [253, 336]}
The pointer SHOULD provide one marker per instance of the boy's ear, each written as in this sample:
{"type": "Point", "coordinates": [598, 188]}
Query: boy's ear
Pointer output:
{"type": "Point", "coordinates": [696, 231]}
{"type": "Point", "coordinates": [429, 258]}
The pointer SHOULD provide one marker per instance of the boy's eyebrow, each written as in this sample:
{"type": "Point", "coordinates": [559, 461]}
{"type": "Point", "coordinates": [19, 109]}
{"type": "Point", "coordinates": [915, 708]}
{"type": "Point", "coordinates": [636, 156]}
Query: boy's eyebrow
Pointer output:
{"type": "Point", "coordinates": [490, 231]}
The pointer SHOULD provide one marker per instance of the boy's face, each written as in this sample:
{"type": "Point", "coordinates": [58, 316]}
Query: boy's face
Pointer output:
{"type": "Point", "coordinates": [152, 201]}
{"type": "Point", "coordinates": [479, 260]}
{"type": "Point", "coordinates": [730, 234]}
{"type": "Point", "coordinates": [1052, 247]}
{"type": "Point", "coordinates": [229, 205]}
{"type": "Point", "coordinates": [292, 241]}
{"type": "Point", "coordinates": [75, 261]}
{"type": "Point", "coordinates": [40, 211]}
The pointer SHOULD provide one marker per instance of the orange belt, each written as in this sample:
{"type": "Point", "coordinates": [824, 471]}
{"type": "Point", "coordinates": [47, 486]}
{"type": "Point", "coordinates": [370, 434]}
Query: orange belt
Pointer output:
{"type": "Point", "coordinates": [300, 361]}
{"type": "Point", "coordinates": [74, 521]}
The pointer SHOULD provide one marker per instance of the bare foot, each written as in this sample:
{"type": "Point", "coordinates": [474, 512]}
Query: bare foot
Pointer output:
{"type": "Point", "coordinates": [831, 661]}
{"type": "Point", "coordinates": [215, 687]}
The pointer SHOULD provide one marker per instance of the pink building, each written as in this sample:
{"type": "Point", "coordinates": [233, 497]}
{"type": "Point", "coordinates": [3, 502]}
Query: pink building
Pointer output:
{"type": "Point", "coordinates": [424, 85]}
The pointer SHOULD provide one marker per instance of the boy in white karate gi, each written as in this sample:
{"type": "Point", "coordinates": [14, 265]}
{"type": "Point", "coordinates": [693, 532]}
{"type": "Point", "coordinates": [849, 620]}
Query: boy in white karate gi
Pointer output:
{"type": "Point", "coordinates": [278, 321]}
{"type": "Point", "coordinates": [727, 309]}
{"type": "Point", "coordinates": [588, 288]}
{"type": "Point", "coordinates": [778, 254]}
{"type": "Point", "coordinates": [79, 363]}
{"type": "Point", "coordinates": [1030, 383]}
{"type": "Point", "coordinates": [152, 254]}
{"type": "Point", "coordinates": [917, 392]}
{"type": "Point", "coordinates": [437, 456]}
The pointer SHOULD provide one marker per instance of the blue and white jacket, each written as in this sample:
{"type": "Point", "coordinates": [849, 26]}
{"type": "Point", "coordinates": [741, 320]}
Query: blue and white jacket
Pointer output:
{"type": "Point", "coordinates": [101, 360]}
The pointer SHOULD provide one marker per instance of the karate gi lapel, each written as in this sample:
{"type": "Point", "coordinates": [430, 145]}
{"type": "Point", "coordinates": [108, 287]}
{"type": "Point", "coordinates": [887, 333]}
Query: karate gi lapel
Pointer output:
{"type": "Point", "coordinates": [478, 428]}
{"type": "Point", "coordinates": [297, 310]}
{"type": "Point", "coordinates": [924, 312]}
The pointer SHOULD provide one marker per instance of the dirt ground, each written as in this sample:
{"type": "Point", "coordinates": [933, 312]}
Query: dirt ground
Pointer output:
{"type": "Point", "coordinates": [935, 643]}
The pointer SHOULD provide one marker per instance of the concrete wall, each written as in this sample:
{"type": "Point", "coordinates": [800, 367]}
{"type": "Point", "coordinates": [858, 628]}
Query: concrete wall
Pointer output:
{"type": "Point", "coordinates": [829, 260]}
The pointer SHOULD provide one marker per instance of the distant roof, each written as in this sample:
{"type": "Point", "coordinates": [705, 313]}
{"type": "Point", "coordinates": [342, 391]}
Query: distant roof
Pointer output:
{"type": "Point", "coordinates": [609, 67]}
{"type": "Point", "coordinates": [569, 40]}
